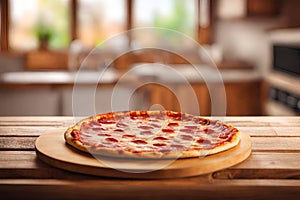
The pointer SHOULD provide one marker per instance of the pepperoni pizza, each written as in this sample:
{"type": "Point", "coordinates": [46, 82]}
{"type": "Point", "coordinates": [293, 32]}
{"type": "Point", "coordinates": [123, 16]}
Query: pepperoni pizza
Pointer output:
{"type": "Point", "coordinates": [151, 134]}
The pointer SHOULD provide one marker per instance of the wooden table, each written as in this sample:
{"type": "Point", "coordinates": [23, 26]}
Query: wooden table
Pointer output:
{"type": "Point", "coordinates": [272, 170]}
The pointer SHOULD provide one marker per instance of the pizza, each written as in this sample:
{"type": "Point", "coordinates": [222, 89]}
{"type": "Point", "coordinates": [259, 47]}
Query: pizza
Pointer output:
{"type": "Point", "coordinates": [151, 134]}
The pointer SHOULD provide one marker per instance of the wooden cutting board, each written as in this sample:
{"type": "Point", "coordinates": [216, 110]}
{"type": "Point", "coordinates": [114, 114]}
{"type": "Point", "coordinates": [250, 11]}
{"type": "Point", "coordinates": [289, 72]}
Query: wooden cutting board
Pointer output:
{"type": "Point", "coordinates": [52, 149]}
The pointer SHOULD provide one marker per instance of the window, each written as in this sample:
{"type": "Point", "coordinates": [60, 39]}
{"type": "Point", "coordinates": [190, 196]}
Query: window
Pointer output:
{"type": "Point", "coordinates": [100, 19]}
{"type": "Point", "coordinates": [34, 21]}
{"type": "Point", "coordinates": [92, 21]}
{"type": "Point", "coordinates": [177, 15]}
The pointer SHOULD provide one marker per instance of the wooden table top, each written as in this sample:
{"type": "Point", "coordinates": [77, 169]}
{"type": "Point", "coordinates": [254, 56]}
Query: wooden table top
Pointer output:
{"type": "Point", "coordinates": [272, 170]}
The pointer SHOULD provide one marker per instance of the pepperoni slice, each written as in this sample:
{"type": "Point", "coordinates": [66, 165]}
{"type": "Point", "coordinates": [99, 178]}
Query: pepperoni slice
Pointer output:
{"type": "Point", "coordinates": [208, 131]}
{"type": "Point", "coordinates": [223, 136]}
{"type": "Point", "coordinates": [168, 130]}
{"type": "Point", "coordinates": [203, 141]}
{"type": "Point", "coordinates": [139, 141]}
{"type": "Point", "coordinates": [160, 138]}
{"type": "Point", "coordinates": [173, 124]}
{"type": "Point", "coordinates": [75, 133]}
{"type": "Point", "coordinates": [110, 139]}
{"type": "Point", "coordinates": [118, 130]}
{"type": "Point", "coordinates": [128, 136]}
{"type": "Point", "coordinates": [204, 121]}
{"type": "Point", "coordinates": [159, 144]}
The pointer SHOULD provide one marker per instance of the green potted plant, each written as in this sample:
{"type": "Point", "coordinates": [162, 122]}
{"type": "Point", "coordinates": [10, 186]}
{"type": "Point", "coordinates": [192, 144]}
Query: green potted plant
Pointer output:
{"type": "Point", "coordinates": [44, 34]}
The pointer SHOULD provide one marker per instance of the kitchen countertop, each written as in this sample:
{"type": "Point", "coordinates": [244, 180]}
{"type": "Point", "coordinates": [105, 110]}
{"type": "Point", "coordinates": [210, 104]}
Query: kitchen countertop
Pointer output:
{"type": "Point", "coordinates": [112, 76]}
{"type": "Point", "coordinates": [271, 172]}
{"type": "Point", "coordinates": [57, 77]}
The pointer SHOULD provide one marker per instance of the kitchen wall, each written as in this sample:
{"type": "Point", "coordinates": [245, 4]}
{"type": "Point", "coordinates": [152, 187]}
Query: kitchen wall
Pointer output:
{"type": "Point", "coordinates": [248, 38]}
{"type": "Point", "coordinates": [245, 40]}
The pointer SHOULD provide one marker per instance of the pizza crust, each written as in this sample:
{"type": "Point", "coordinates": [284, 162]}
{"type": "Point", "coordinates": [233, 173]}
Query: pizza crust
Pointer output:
{"type": "Point", "coordinates": [71, 141]}
{"type": "Point", "coordinates": [112, 152]}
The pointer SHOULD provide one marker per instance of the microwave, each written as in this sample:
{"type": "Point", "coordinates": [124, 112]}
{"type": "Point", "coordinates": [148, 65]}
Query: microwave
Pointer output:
{"type": "Point", "coordinates": [286, 58]}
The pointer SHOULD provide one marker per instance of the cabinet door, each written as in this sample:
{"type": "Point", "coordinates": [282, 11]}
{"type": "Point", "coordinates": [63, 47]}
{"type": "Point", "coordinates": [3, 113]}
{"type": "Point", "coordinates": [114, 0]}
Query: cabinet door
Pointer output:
{"type": "Point", "coordinates": [194, 100]}
{"type": "Point", "coordinates": [162, 98]}
{"type": "Point", "coordinates": [263, 7]}
{"type": "Point", "coordinates": [242, 98]}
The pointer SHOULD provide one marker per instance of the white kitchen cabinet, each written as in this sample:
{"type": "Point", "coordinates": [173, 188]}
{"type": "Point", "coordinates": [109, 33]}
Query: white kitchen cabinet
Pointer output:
{"type": "Point", "coordinates": [57, 100]}
{"type": "Point", "coordinates": [29, 101]}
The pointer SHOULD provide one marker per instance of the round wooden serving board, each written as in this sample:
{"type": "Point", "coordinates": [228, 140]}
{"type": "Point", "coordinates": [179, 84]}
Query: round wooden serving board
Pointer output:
{"type": "Point", "coordinates": [52, 149]}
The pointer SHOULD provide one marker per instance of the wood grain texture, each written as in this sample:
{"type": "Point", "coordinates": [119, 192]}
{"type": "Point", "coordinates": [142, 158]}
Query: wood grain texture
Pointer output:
{"type": "Point", "coordinates": [291, 131]}
{"type": "Point", "coordinates": [258, 165]}
{"type": "Point", "coordinates": [17, 131]}
{"type": "Point", "coordinates": [188, 188]}
{"type": "Point", "coordinates": [17, 143]}
{"type": "Point", "coordinates": [274, 144]}
{"type": "Point", "coordinates": [263, 166]}
{"type": "Point", "coordinates": [271, 172]}
{"type": "Point", "coordinates": [36, 121]}
{"type": "Point", "coordinates": [264, 121]}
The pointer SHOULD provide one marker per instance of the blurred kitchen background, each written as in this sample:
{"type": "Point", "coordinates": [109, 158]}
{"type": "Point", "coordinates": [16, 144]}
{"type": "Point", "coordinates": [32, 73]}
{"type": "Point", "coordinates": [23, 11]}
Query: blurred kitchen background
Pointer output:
{"type": "Point", "coordinates": [254, 43]}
